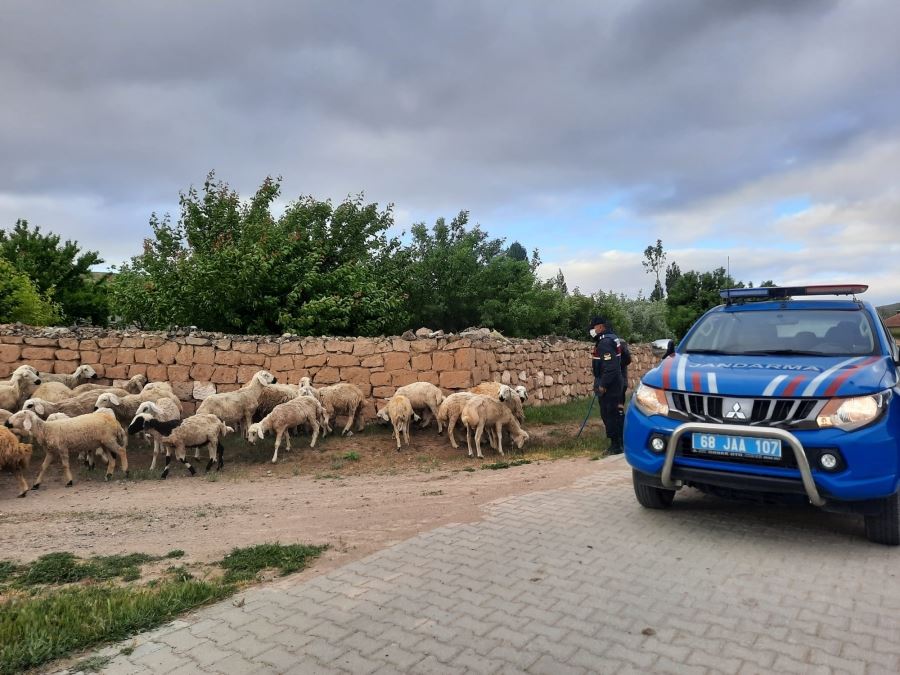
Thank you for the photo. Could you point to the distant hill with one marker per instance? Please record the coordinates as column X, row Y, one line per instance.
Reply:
column 889, row 310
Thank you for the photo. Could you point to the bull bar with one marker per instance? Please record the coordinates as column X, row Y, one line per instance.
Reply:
column 809, row 485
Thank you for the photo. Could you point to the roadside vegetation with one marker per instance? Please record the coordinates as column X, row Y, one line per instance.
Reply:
column 60, row 604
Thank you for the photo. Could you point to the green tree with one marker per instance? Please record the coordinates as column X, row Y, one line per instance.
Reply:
column 58, row 269
column 21, row 301
column 517, row 252
column 229, row 265
column 694, row 293
column 654, row 261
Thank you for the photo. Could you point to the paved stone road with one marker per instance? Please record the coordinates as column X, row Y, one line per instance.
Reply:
column 570, row 581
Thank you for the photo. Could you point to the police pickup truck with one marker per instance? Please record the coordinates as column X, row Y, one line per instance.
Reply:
column 776, row 397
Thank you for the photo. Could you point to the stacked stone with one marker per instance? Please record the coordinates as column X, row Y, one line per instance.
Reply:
column 199, row 364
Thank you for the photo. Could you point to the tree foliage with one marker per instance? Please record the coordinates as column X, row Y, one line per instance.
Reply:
column 21, row 301
column 232, row 266
column 59, row 271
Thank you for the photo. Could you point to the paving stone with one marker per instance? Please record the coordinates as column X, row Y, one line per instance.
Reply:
column 579, row 579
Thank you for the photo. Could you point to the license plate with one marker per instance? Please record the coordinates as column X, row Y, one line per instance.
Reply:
column 737, row 446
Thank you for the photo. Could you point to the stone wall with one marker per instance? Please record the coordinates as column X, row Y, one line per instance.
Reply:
column 197, row 364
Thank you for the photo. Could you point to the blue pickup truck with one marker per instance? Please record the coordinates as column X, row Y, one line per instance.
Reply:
column 777, row 397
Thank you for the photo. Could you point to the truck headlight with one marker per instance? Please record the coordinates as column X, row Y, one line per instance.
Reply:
column 852, row 413
column 650, row 400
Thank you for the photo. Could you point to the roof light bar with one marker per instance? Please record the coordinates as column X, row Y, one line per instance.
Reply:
column 792, row 291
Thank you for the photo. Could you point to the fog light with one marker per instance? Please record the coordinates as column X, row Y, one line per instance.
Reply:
column 658, row 444
column 828, row 461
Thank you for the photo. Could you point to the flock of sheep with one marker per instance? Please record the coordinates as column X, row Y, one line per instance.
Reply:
column 67, row 414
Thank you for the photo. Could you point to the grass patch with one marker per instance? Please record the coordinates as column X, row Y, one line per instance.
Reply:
column 352, row 456
column 37, row 629
column 505, row 465
column 59, row 603
column 573, row 411
column 65, row 568
column 243, row 564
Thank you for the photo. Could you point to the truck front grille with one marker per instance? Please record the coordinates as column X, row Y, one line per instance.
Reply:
column 770, row 412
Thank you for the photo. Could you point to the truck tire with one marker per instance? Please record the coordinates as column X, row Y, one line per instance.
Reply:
column 884, row 528
column 651, row 497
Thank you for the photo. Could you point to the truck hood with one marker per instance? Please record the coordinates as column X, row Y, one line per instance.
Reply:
column 779, row 376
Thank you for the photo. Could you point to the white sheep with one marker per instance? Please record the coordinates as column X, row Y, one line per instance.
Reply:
column 132, row 386
column 237, row 407
column 14, row 457
column 303, row 410
column 22, row 384
column 20, row 369
column 274, row 395
column 399, row 412
column 484, row 411
column 126, row 407
column 81, row 375
column 493, row 389
column 343, row 398
column 82, row 434
column 52, row 391
column 196, row 431
column 451, row 410
column 80, row 404
column 164, row 410
column 425, row 399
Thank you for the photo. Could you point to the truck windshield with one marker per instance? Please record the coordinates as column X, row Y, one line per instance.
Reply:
column 805, row 332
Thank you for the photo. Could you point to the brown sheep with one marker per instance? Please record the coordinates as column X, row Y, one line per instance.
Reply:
column 14, row 457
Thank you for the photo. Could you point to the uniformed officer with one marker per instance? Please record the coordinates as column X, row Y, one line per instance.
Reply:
column 608, row 382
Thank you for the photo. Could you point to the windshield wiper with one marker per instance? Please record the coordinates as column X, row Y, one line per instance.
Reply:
column 717, row 352
column 784, row 352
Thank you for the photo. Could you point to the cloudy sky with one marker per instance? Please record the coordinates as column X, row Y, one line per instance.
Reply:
column 766, row 131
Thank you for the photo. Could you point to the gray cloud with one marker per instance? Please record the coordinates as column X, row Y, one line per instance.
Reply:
column 436, row 105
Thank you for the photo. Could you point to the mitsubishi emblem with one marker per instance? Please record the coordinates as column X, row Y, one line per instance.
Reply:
column 736, row 413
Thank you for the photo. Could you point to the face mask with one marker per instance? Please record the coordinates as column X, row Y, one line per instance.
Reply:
column 592, row 333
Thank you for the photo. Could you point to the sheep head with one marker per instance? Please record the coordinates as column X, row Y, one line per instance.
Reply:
column 107, row 400
column 305, row 382
column 383, row 414
column 35, row 404
column 137, row 424
column 148, row 407
column 24, row 419
column 25, row 369
column 254, row 431
column 86, row 372
column 522, row 392
column 505, row 392
column 264, row 377
column 21, row 377
column 520, row 438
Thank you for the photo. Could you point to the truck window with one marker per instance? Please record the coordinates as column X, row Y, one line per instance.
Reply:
column 814, row 332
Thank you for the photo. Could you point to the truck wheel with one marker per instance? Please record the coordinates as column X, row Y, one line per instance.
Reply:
column 885, row 527
column 651, row 497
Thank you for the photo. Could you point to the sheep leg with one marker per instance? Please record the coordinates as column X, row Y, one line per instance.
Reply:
column 248, row 420
column 48, row 458
column 451, row 426
column 287, row 440
column 220, row 453
column 406, row 431
column 500, row 438
column 478, row 433
column 350, row 415
column 434, row 413
column 469, row 439
column 110, row 456
column 315, row 434
column 64, row 458
column 278, row 434
column 23, row 484
column 360, row 422
column 165, row 472
column 183, row 460
column 426, row 418
column 397, row 435
column 156, row 449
